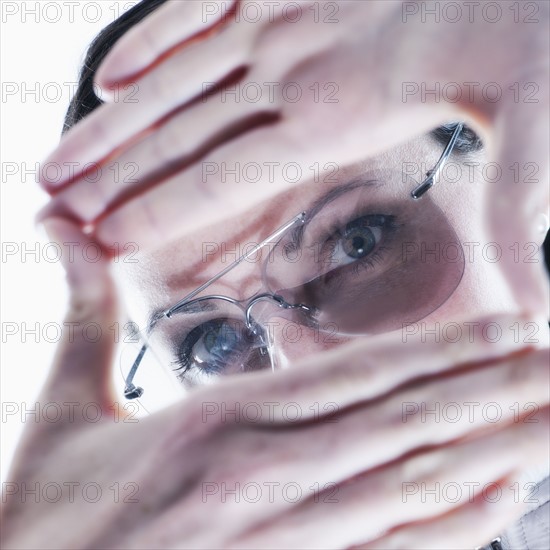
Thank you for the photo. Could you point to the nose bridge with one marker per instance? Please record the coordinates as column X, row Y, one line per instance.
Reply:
column 289, row 336
column 292, row 342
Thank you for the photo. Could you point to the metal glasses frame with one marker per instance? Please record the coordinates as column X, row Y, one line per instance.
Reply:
column 131, row 391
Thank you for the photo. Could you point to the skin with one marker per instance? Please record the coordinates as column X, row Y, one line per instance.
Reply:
column 160, row 278
column 183, row 200
column 370, row 451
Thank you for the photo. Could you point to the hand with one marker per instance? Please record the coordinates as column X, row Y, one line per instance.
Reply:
column 161, row 479
column 156, row 148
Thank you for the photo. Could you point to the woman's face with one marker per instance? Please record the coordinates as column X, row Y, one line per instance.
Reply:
column 391, row 224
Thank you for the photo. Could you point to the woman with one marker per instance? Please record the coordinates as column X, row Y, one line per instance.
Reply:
column 352, row 440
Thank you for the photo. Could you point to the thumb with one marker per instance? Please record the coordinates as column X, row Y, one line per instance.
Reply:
column 518, row 205
column 81, row 372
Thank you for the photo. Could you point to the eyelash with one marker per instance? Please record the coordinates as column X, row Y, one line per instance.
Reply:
column 378, row 256
column 179, row 363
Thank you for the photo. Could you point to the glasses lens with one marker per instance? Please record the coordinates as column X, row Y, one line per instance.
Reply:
column 370, row 259
column 200, row 342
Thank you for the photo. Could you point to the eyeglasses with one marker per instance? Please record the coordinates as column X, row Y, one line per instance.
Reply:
column 364, row 260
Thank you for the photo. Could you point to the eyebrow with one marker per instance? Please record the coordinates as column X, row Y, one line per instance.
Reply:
column 191, row 309
column 296, row 235
column 360, row 181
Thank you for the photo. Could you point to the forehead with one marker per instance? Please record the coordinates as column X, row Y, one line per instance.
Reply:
column 162, row 276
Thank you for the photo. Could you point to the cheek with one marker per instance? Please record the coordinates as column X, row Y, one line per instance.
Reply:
column 482, row 291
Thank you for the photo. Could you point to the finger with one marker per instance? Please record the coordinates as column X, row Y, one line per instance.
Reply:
column 204, row 194
column 175, row 24
column 399, row 493
column 367, row 368
column 356, row 444
column 518, row 206
column 514, row 126
column 113, row 126
column 468, row 526
column 187, row 136
column 281, row 156
column 82, row 365
column 219, row 186
column 273, row 459
column 449, row 409
column 511, row 390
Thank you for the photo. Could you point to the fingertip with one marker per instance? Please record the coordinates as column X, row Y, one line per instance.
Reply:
column 127, row 59
column 110, row 77
column 83, row 259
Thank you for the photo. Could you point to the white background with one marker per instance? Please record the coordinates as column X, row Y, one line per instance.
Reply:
column 42, row 46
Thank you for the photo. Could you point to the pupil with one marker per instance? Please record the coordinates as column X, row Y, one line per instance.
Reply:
column 359, row 243
column 220, row 339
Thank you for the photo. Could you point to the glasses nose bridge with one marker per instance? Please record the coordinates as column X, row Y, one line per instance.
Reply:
column 279, row 301
column 262, row 296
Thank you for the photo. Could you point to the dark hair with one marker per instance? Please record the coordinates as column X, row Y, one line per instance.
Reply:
column 85, row 100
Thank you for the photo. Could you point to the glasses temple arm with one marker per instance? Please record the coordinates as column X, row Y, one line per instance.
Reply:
column 281, row 230
column 130, row 390
column 434, row 174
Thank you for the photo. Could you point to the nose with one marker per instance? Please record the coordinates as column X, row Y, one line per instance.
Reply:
column 288, row 328
column 292, row 342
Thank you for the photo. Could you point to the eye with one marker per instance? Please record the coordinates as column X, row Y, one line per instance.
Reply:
column 220, row 347
column 357, row 240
